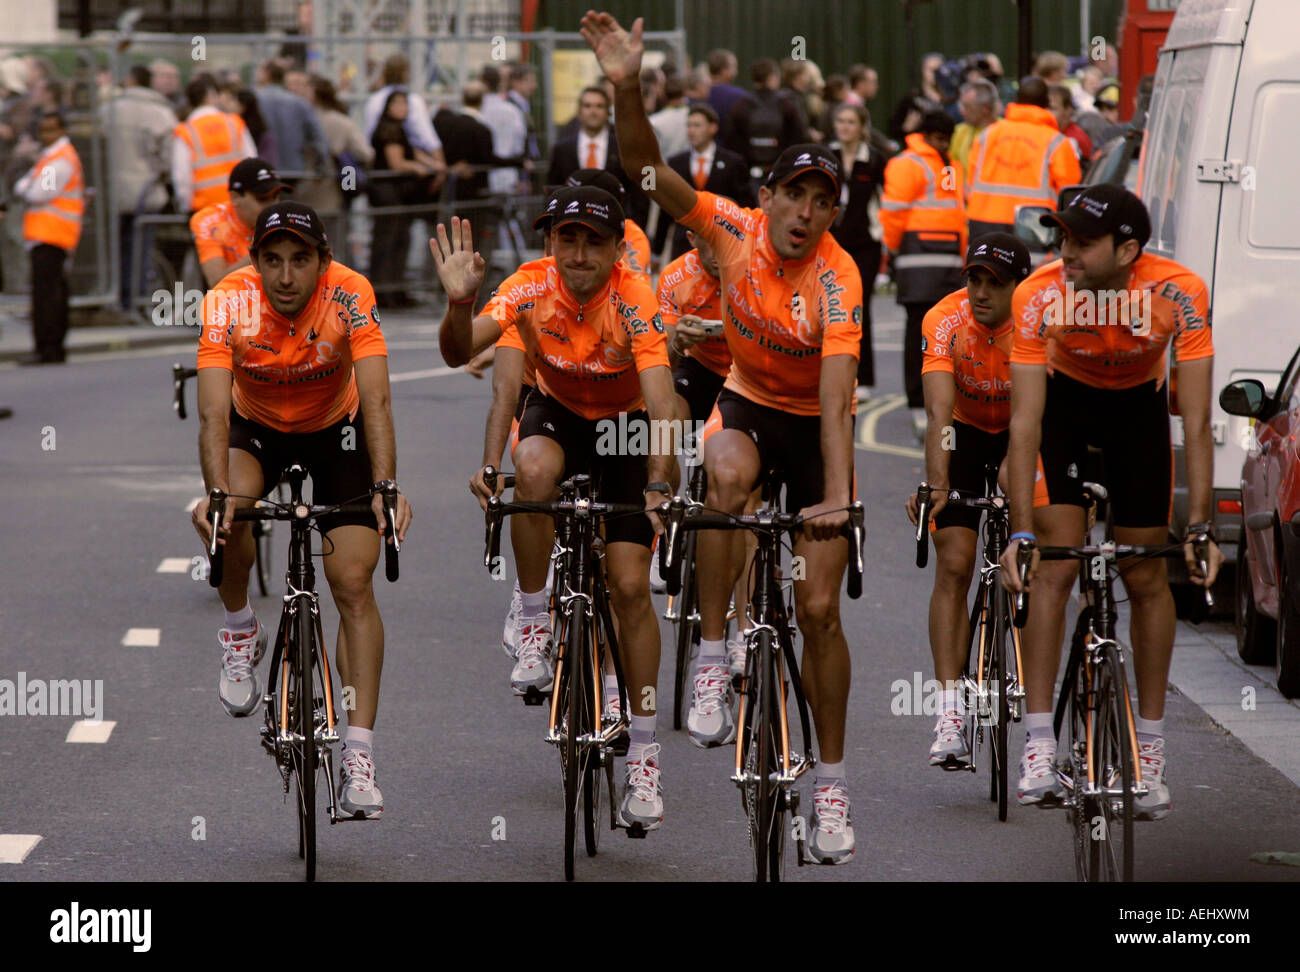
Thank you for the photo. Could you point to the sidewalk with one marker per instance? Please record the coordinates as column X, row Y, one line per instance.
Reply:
column 16, row 332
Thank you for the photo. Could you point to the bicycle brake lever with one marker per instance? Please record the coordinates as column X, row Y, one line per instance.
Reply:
column 217, row 500
column 922, row 525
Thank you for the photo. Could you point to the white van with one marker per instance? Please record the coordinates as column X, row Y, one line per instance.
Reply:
column 1220, row 175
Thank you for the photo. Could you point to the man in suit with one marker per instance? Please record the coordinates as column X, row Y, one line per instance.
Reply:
column 595, row 147
column 710, row 168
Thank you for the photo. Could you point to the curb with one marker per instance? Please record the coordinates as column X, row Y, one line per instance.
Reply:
column 149, row 337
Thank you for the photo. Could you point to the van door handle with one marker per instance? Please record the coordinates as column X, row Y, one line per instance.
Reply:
column 1259, row 521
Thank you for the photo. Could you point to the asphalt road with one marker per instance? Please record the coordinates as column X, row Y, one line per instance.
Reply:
column 88, row 522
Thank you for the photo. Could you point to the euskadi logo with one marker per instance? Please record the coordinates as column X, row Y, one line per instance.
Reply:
column 75, row 925
column 1096, row 308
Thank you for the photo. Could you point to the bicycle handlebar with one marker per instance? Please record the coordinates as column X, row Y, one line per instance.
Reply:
column 262, row 510
column 497, row 510
column 180, row 374
column 678, row 516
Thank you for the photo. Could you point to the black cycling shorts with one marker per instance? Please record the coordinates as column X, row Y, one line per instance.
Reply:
column 524, row 391
column 336, row 459
column 788, row 442
column 973, row 449
column 617, row 478
column 1131, row 428
column 698, row 385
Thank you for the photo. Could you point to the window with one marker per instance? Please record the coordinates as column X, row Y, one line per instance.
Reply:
column 1274, row 144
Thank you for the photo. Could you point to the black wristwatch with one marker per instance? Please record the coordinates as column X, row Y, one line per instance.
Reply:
column 383, row 484
column 1205, row 527
column 659, row 487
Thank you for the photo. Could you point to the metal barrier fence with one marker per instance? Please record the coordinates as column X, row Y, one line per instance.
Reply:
column 170, row 280
column 95, row 271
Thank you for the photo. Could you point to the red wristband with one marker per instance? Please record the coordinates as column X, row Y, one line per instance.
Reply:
column 469, row 300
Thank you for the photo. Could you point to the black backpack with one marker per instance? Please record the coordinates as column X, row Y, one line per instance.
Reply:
column 766, row 124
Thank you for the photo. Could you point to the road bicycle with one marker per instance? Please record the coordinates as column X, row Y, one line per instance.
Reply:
column 991, row 678
column 767, row 764
column 300, row 717
column 1097, row 748
column 587, row 730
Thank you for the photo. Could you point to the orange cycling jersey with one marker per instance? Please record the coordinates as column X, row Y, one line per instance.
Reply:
column 294, row 376
column 490, row 310
column 587, row 356
column 1111, row 339
column 218, row 232
column 685, row 287
column 976, row 357
column 636, row 253
column 776, row 341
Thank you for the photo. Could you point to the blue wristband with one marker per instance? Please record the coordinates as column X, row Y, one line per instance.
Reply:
column 1023, row 535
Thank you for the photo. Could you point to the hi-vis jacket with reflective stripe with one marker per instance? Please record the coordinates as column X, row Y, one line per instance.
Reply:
column 924, row 222
column 1022, row 160
column 216, row 143
column 57, row 221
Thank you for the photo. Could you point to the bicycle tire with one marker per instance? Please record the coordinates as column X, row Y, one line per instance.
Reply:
column 1111, row 855
column 776, row 827
column 687, row 631
column 303, row 724
column 591, row 764
column 572, row 706
column 766, row 790
column 1000, row 627
column 1075, row 713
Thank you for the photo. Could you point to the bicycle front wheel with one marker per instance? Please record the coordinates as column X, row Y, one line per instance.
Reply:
column 570, row 750
column 1110, row 855
column 303, row 723
column 999, row 631
column 765, row 810
column 688, row 631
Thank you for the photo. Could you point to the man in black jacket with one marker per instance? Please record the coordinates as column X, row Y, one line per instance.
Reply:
column 709, row 167
column 765, row 123
column 595, row 147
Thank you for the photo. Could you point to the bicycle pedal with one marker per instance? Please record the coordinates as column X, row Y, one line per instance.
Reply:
column 533, row 697
column 636, row 831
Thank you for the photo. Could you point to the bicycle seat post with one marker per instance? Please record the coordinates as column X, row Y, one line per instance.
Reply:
column 296, row 475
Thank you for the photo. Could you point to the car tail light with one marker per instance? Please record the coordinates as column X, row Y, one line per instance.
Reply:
column 1229, row 506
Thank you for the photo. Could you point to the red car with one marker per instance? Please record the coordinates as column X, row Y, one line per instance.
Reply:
column 1268, row 561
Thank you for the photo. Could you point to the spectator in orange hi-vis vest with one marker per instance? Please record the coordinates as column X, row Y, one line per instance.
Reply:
column 207, row 146
column 54, row 193
column 1022, row 160
column 223, row 232
column 924, row 230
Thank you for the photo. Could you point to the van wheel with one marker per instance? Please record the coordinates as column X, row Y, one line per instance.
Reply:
column 1287, row 662
column 1256, row 632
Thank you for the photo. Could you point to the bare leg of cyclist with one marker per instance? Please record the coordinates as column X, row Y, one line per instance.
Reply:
column 826, row 668
column 242, row 638
column 539, row 464
column 949, row 640
column 1056, row 525
column 731, row 460
column 349, row 569
column 1151, row 627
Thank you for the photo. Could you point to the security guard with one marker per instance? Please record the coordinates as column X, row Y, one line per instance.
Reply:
column 924, row 224
column 207, row 145
column 1022, row 160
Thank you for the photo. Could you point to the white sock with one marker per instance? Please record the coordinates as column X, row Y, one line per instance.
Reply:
column 534, row 605
column 361, row 739
column 611, row 687
column 241, row 620
column 830, row 772
column 1149, row 730
column 949, row 701
column 711, row 653
column 1038, row 725
column 640, row 735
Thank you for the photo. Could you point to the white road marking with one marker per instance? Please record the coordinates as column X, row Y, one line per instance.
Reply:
column 90, row 731
column 14, row 848
column 174, row 565
column 427, row 373
column 189, row 507
column 869, row 418
column 142, row 637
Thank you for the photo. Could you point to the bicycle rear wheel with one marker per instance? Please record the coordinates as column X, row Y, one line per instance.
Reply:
column 302, row 722
column 1110, row 856
column 688, row 631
